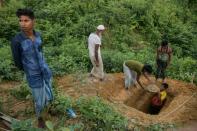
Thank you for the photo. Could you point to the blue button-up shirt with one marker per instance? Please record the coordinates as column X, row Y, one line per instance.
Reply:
column 32, row 59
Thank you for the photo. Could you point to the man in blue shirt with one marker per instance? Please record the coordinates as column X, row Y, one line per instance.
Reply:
column 26, row 48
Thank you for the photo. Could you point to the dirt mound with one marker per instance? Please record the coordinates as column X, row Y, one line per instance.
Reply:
column 180, row 106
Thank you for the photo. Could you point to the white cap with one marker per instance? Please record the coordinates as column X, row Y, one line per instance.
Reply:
column 100, row 27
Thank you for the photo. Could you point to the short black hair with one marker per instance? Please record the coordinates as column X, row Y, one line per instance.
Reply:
column 147, row 68
column 164, row 43
column 26, row 12
column 165, row 85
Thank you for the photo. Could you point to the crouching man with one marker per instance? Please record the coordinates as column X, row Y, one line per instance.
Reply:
column 133, row 71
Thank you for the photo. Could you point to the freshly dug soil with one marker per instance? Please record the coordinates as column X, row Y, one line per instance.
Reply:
column 180, row 107
column 181, row 104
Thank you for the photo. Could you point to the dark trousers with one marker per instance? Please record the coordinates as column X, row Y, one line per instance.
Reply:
column 154, row 110
column 161, row 67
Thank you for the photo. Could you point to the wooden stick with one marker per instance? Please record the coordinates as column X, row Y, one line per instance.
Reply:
column 3, row 129
column 6, row 117
column 7, row 123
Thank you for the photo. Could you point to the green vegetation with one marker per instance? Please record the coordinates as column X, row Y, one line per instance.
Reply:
column 26, row 125
column 135, row 29
column 22, row 92
column 100, row 115
column 92, row 114
column 60, row 104
column 160, row 127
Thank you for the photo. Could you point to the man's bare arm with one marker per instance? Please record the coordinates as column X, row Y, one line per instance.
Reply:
column 138, row 80
column 146, row 76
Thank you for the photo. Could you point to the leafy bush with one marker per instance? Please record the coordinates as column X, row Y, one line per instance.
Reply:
column 22, row 92
column 113, row 60
column 51, row 127
column 160, row 127
column 134, row 29
column 182, row 68
column 7, row 69
column 100, row 115
column 60, row 104
column 24, row 125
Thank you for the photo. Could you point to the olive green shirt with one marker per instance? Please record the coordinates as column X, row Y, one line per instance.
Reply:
column 135, row 66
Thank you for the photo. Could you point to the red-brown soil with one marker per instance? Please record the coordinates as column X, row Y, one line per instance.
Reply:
column 180, row 107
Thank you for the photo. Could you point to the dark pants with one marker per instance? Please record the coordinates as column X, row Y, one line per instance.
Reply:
column 161, row 67
column 155, row 109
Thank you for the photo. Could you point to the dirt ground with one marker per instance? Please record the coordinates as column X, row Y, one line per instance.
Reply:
column 180, row 107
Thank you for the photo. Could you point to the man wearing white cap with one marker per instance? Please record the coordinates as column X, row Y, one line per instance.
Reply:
column 94, row 44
